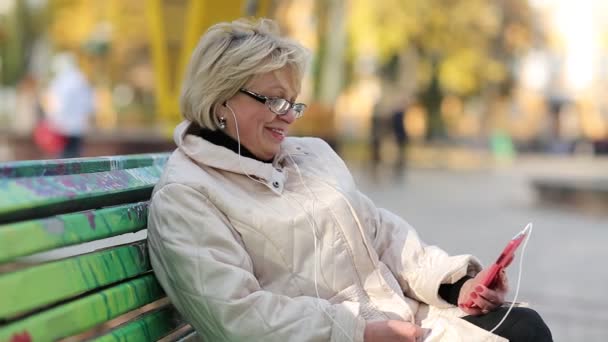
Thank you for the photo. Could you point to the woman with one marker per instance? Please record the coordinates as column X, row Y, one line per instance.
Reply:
column 259, row 237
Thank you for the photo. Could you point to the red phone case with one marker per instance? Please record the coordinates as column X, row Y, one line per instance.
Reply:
column 507, row 254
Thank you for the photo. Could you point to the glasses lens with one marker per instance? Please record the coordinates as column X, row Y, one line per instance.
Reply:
column 279, row 106
column 298, row 109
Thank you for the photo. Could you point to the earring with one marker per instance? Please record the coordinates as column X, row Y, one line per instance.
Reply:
column 222, row 122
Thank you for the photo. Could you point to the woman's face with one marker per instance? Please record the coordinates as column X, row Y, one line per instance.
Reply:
column 260, row 130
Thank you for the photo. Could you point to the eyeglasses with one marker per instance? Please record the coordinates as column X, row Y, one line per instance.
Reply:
column 277, row 105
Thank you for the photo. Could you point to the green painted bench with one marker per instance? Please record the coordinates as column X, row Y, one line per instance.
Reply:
column 73, row 256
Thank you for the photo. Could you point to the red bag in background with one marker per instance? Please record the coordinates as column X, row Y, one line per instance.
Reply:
column 47, row 139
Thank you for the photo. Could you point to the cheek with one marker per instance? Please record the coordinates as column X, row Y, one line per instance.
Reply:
column 260, row 120
column 252, row 124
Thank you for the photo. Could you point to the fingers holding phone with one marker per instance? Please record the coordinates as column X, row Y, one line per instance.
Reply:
column 502, row 282
column 487, row 290
column 475, row 298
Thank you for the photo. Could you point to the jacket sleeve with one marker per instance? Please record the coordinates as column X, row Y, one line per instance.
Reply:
column 420, row 269
column 206, row 272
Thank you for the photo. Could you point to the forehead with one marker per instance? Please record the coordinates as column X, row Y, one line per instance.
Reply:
column 279, row 80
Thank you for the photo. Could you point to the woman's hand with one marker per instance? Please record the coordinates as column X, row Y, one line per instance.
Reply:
column 391, row 330
column 484, row 299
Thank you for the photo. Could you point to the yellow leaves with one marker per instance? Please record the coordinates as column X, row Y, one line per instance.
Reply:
column 389, row 26
column 72, row 21
column 463, row 71
column 381, row 27
column 494, row 71
column 457, row 72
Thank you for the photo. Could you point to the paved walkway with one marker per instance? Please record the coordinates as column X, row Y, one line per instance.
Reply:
column 478, row 210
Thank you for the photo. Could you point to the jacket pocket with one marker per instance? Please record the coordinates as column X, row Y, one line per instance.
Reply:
column 355, row 293
column 350, row 294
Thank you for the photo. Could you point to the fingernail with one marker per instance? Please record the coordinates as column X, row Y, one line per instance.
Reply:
column 478, row 288
column 473, row 295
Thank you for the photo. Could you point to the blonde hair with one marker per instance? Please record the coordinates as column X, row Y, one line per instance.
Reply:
column 227, row 56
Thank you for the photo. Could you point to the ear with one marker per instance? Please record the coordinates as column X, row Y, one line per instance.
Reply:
column 219, row 110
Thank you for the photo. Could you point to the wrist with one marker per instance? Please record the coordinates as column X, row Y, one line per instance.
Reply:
column 465, row 289
column 451, row 292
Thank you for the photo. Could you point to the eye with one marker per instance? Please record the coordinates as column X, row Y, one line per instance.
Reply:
column 279, row 105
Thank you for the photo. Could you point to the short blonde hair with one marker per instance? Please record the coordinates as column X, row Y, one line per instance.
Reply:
column 227, row 56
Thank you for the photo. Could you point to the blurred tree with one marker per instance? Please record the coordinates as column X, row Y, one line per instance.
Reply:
column 462, row 46
column 321, row 26
column 19, row 29
column 145, row 44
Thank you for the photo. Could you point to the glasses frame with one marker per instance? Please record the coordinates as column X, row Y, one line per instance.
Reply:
column 266, row 100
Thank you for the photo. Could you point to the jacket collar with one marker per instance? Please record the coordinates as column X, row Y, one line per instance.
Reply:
column 206, row 153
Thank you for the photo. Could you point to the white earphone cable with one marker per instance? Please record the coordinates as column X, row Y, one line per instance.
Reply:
column 238, row 140
column 313, row 225
column 521, row 261
column 361, row 231
column 309, row 218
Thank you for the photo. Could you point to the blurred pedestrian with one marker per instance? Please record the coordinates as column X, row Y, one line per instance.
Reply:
column 388, row 119
column 69, row 104
column 400, row 134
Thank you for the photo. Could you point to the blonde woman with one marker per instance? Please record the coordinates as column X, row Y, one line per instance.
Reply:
column 257, row 236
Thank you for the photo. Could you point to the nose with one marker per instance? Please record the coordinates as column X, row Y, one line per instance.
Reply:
column 288, row 117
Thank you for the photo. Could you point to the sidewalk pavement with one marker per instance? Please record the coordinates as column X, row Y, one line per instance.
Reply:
column 579, row 182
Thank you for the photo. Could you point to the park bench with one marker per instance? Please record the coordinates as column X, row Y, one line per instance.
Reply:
column 589, row 194
column 74, row 261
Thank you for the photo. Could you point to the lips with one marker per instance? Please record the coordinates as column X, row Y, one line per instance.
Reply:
column 277, row 133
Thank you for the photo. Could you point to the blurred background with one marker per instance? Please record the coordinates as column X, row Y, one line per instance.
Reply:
column 469, row 118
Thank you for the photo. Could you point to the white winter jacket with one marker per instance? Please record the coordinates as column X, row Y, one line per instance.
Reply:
column 291, row 251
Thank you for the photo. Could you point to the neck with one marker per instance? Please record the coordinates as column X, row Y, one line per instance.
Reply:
column 220, row 138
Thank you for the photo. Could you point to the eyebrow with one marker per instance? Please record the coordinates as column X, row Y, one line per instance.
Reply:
column 283, row 92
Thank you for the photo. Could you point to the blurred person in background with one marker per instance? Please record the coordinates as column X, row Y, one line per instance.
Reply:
column 69, row 104
column 257, row 236
column 401, row 138
column 388, row 119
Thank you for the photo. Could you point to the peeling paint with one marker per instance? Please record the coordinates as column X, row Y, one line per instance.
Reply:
column 21, row 337
column 90, row 215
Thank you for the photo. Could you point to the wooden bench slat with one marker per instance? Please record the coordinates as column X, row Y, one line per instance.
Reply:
column 190, row 336
column 46, row 205
column 82, row 314
column 29, row 198
column 70, row 229
column 22, row 291
column 56, row 167
column 148, row 327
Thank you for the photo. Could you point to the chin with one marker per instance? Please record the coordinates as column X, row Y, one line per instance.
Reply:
column 271, row 153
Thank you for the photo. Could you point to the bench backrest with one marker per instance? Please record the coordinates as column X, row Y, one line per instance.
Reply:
column 50, row 291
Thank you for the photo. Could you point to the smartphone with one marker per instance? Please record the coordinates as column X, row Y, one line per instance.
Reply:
column 501, row 263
